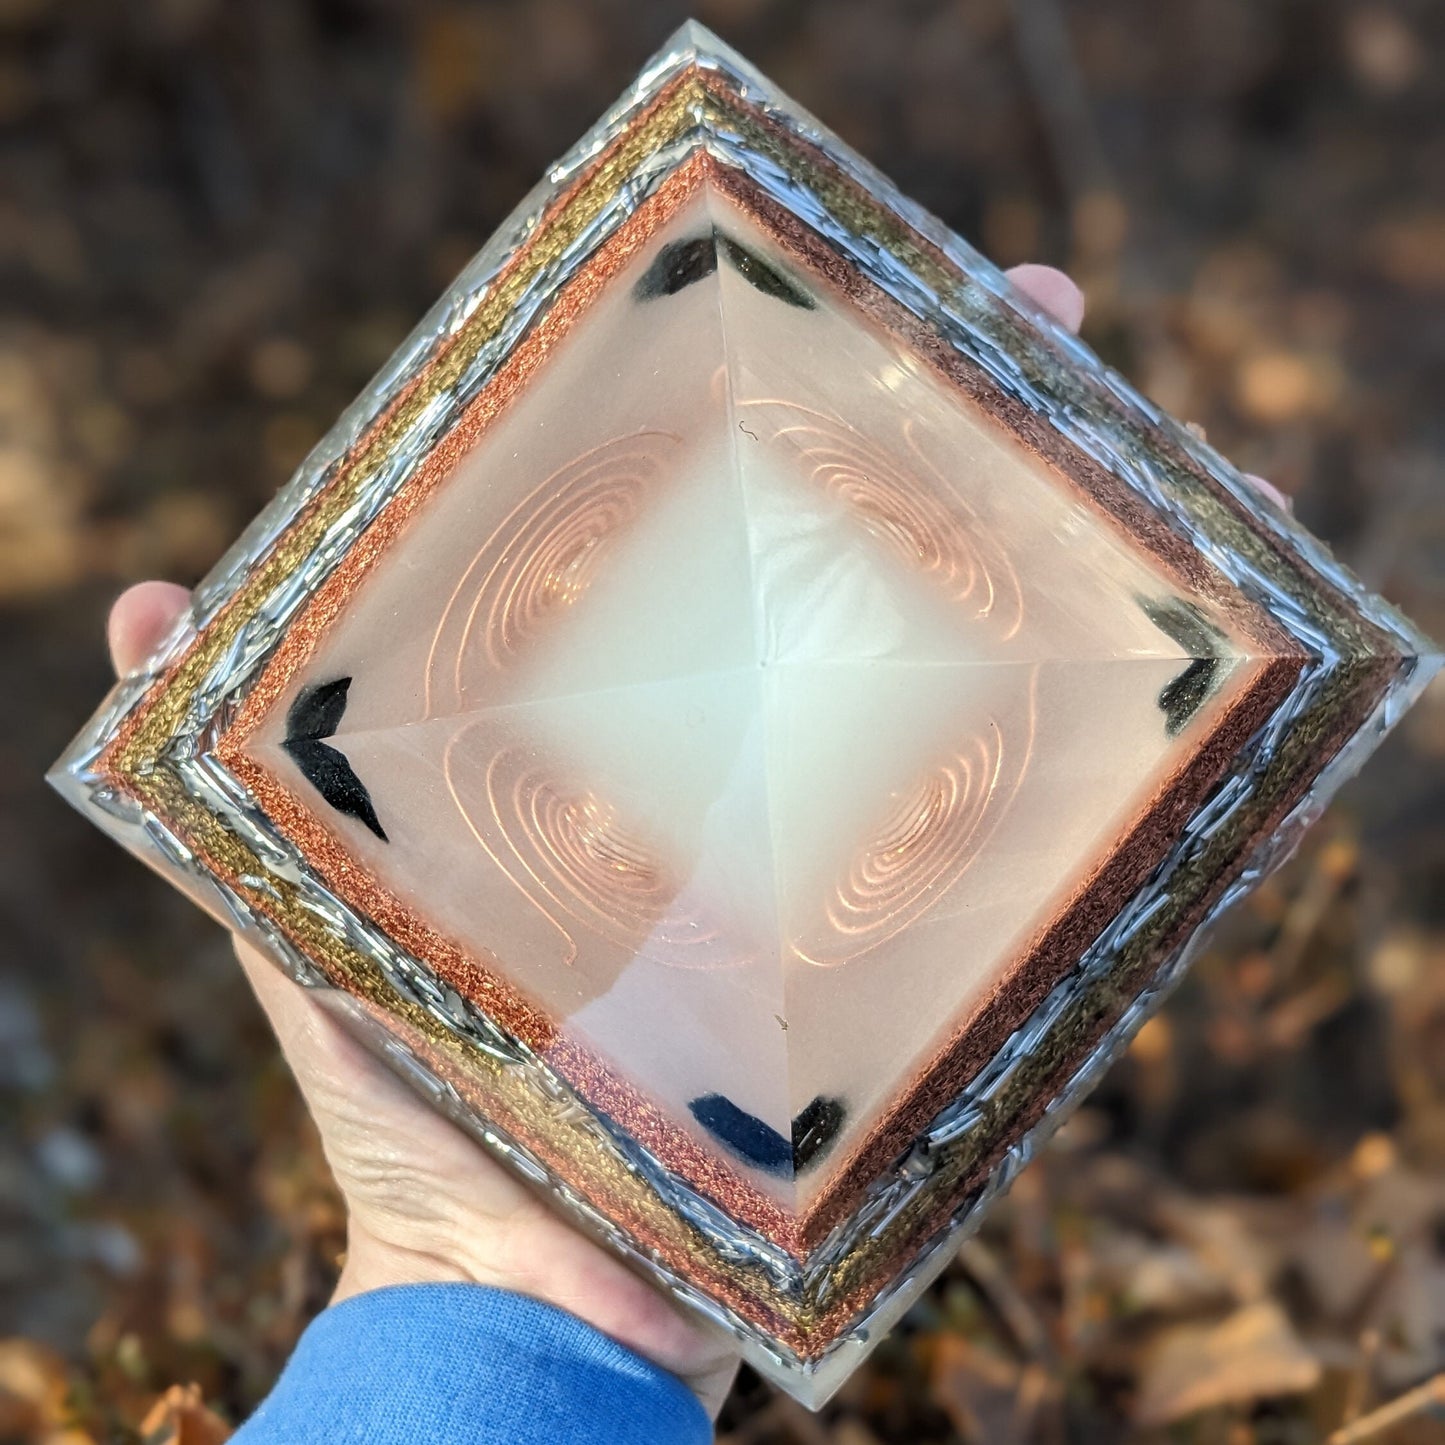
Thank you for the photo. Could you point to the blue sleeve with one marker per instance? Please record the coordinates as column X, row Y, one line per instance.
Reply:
column 470, row 1366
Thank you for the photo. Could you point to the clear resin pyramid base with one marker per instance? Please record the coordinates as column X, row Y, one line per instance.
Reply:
column 747, row 714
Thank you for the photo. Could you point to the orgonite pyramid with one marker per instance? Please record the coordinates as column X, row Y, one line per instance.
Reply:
column 747, row 713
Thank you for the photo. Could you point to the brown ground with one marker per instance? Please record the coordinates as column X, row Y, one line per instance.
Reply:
column 220, row 218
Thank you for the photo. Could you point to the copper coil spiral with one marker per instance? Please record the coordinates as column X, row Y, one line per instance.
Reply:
column 904, row 502
column 541, row 559
column 569, row 853
column 920, row 850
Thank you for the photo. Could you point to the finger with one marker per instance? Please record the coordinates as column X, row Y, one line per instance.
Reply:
column 337, row 1075
column 1053, row 291
column 1057, row 294
column 315, row 1044
column 363, row 1108
column 299, row 1029
column 140, row 620
column 1281, row 499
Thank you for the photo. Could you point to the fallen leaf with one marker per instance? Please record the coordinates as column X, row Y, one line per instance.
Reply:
column 976, row 1387
column 180, row 1417
column 1383, row 51
column 990, row 1399
column 1277, row 386
column 1410, row 250
column 32, row 1389
column 1252, row 1355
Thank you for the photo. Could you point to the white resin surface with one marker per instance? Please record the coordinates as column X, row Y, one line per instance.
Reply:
column 750, row 698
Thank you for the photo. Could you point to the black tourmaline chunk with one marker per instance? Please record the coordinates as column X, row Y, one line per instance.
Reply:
column 314, row 716
column 317, row 711
column 760, row 1144
column 745, row 1134
column 677, row 266
column 680, row 263
column 814, row 1130
column 763, row 275
column 1184, row 695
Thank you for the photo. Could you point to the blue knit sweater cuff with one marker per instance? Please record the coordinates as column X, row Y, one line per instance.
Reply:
column 470, row 1366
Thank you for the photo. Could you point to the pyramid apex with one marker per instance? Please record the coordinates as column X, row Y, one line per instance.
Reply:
column 692, row 43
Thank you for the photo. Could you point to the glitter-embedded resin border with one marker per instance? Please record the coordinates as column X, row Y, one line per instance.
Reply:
column 146, row 770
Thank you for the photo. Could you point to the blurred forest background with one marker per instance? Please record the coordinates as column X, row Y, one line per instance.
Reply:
column 218, row 219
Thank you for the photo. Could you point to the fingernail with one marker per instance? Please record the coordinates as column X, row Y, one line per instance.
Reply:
column 1281, row 499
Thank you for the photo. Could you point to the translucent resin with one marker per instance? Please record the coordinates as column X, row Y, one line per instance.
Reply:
column 747, row 714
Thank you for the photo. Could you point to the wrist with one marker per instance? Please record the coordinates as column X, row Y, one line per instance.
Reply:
column 372, row 1262
column 561, row 1269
